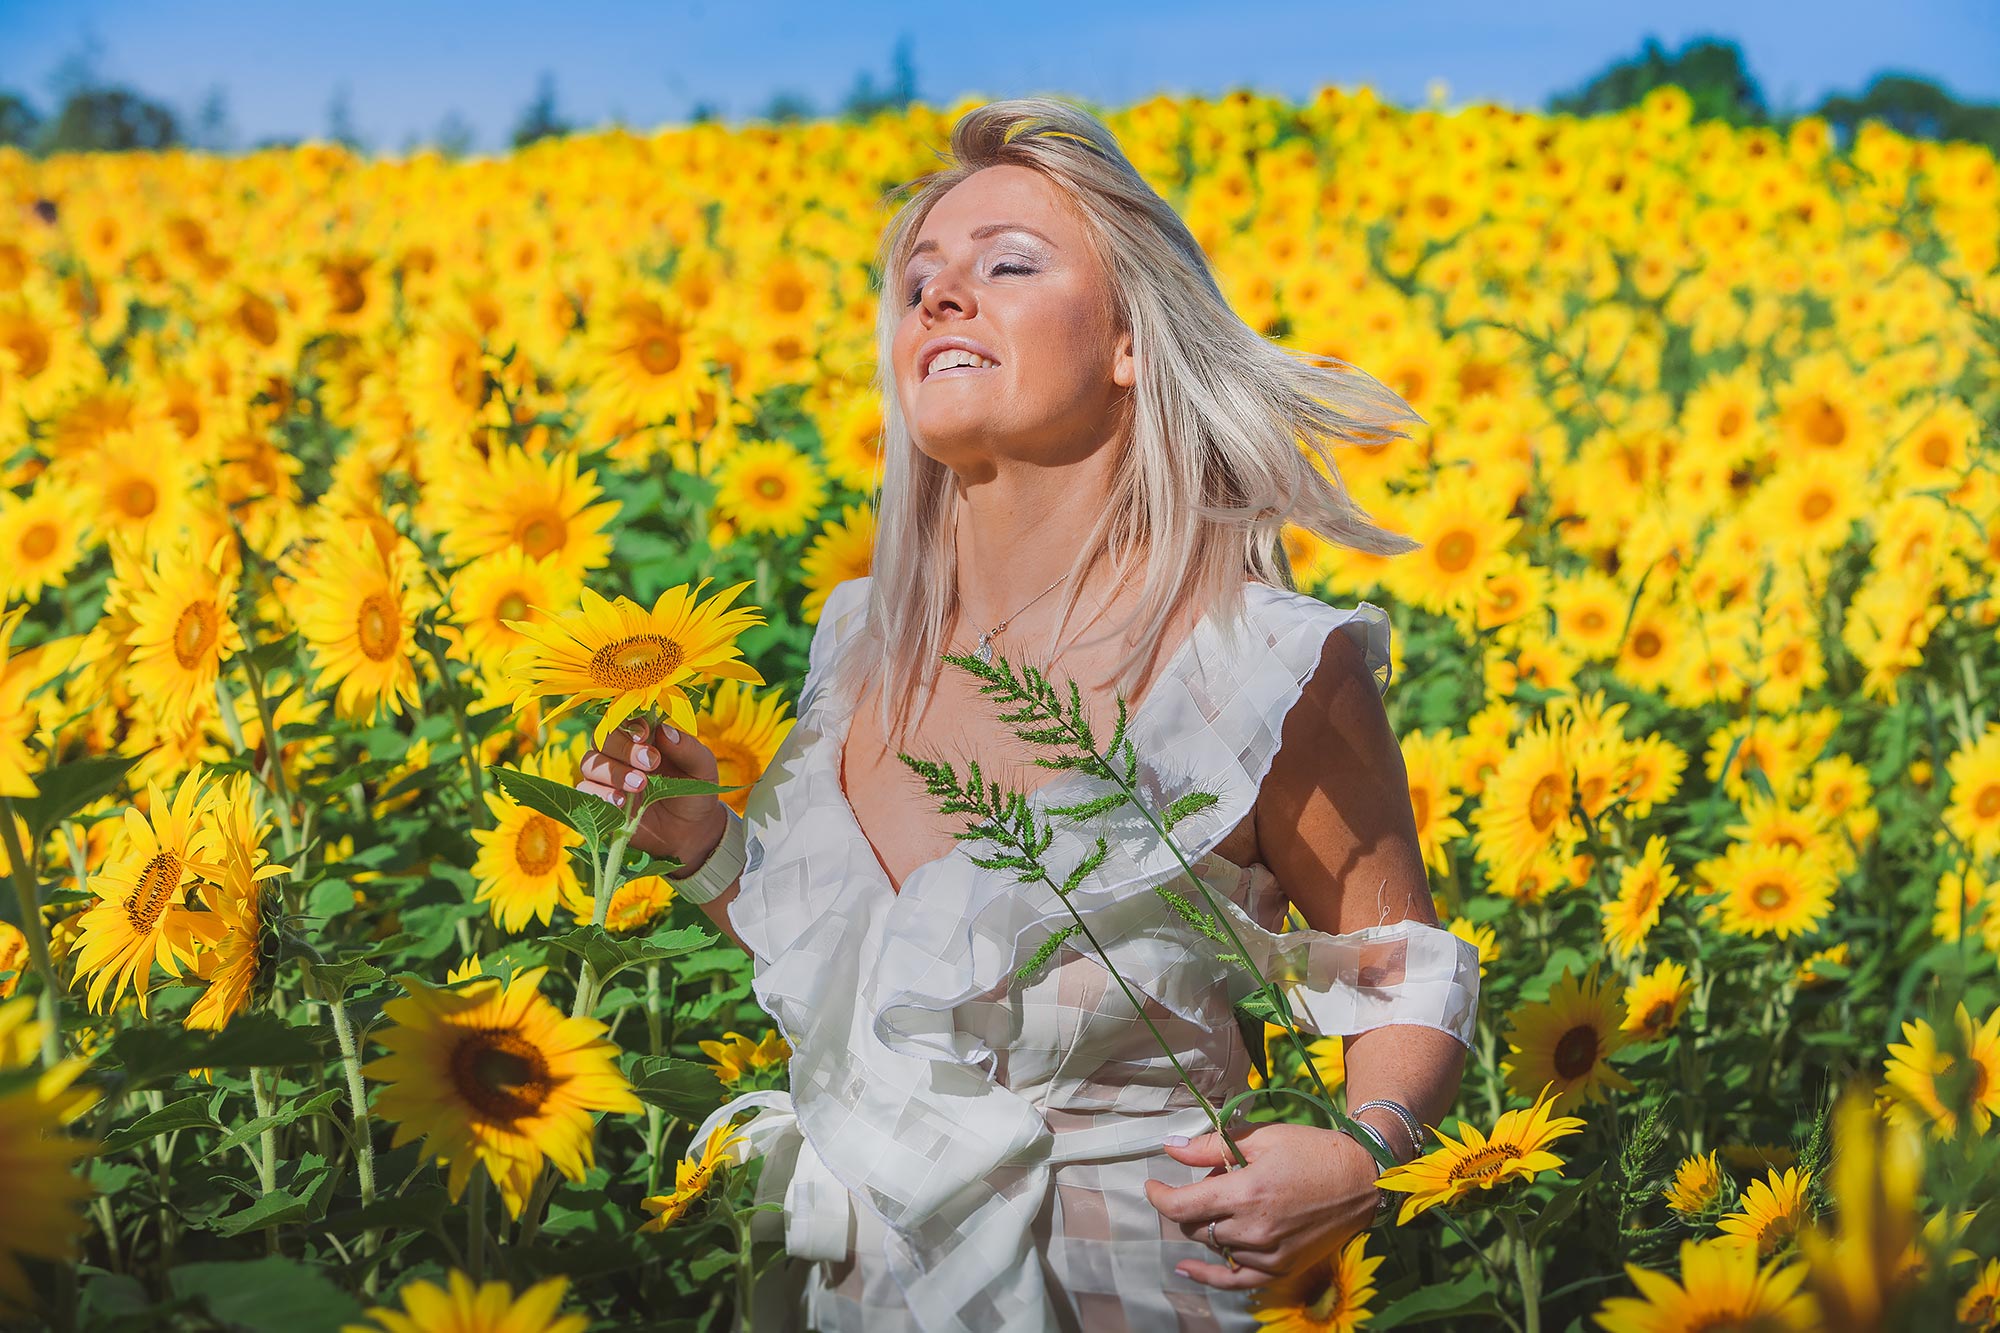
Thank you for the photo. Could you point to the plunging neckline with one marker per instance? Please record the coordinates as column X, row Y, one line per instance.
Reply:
column 837, row 737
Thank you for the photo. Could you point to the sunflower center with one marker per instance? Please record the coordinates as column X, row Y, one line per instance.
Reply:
column 378, row 627
column 1646, row 644
column 1935, row 450
column 1481, row 1165
column 468, row 380
column 154, row 890
column 1816, row 507
column 1420, row 801
column 770, row 488
column 258, row 319
column 514, row 606
column 1769, row 896
column 1825, row 426
column 1658, row 1017
column 660, row 353
column 39, row 541
column 541, row 532
column 137, row 498
column 1988, row 803
column 1576, row 1052
column 501, row 1075
column 1455, row 551
column 1730, row 422
column 1545, row 801
column 538, row 846
column 195, row 632
column 635, row 662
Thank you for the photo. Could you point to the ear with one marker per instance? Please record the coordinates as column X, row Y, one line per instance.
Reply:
column 1124, row 366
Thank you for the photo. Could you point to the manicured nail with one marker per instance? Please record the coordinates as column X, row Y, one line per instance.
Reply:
column 1175, row 1141
column 1181, row 1271
column 673, row 737
column 634, row 780
column 643, row 756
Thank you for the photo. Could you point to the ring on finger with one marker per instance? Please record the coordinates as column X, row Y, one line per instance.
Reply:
column 1227, row 1257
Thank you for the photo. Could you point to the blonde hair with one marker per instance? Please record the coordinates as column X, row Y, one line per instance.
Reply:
column 1213, row 467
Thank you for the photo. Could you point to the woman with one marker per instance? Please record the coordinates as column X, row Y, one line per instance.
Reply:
column 1071, row 404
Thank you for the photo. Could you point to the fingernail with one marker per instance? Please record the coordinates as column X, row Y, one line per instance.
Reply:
column 643, row 756
column 1180, row 1271
column 673, row 737
column 634, row 780
column 1175, row 1141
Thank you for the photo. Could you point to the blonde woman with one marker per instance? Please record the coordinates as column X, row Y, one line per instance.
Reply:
column 1089, row 458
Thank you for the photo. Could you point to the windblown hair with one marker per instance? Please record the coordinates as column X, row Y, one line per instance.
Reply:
column 1213, row 465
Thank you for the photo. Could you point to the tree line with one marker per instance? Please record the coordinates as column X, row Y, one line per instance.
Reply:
column 93, row 115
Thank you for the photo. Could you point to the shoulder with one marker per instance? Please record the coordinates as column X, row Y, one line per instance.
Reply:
column 1321, row 645
column 1339, row 658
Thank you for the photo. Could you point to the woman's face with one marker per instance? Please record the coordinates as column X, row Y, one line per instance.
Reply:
column 1002, row 266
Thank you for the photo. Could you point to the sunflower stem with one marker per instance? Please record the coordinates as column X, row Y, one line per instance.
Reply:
column 35, row 929
column 1525, row 1270
column 607, row 883
column 267, row 1160
column 475, row 1225
column 357, row 1096
column 463, row 725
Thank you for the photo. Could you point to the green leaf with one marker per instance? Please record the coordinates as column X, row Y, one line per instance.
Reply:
column 679, row 1087
column 67, row 788
column 592, row 816
column 1468, row 1295
column 1252, row 1028
column 342, row 975
column 268, row 1295
column 151, row 1054
column 273, row 1209
column 330, row 898
column 1560, row 1206
column 609, row 955
column 422, row 1206
column 188, row 1113
column 284, row 1115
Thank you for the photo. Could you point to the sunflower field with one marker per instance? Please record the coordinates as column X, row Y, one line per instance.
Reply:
column 323, row 1008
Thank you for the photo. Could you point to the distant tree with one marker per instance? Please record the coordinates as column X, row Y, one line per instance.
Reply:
column 539, row 119
column 865, row 100
column 340, row 119
column 704, row 112
column 788, row 106
column 111, row 119
column 1914, row 106
column 1710, row 70
column 212, row 128
column 454, row 135
column 20, row 123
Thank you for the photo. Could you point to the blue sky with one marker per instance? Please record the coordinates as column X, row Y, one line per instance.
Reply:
column 406, row 66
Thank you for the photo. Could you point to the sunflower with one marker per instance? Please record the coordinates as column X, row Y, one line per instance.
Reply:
column 1330, row 1296
column 507, row 585
column 539, row 505
column 1654, row 1004
column 1643, row 886
column 844, row 549
column 183, row 608
column 1590, row 612
column 769, row 486
column 1428, row 761
column 1768, row 890
column 496, row 1074
column 1769, row 1212
column 1815, row 968
column 444, row 374
column 41, row 539
column 1568, row 1042
column 1922, row 1087
column 634, row 658
column 645, row 355
column 852, row 443
column 1721, row 1286
column 1974, row 812
column 691, row 1178
column 355, row 609
column 234, row 967
column 524, row 869
column 743, row 731
column 1525, row 808
column 736, row 1056
column 490, row 1307
column 141, row 916
column 1463, row 525
column 143, row 485
column 17, row 716
column 637, row 903
column 1518, row 1149
column 13, row 957
column 1698, row 1186
column 1979, row 1308
column 40, row 1210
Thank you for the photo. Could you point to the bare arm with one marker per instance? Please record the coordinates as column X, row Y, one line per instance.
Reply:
column 1335, row 825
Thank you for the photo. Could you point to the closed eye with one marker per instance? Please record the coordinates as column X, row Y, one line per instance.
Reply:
column 917, row 292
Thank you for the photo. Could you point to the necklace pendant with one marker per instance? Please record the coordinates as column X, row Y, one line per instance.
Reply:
column 984, row 652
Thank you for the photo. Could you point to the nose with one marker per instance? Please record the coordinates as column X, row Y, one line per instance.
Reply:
column 946, row 290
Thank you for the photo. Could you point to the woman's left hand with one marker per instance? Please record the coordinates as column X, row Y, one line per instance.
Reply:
column 1304, row 1192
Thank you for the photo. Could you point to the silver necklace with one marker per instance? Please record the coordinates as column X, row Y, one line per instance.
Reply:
column 984, row 652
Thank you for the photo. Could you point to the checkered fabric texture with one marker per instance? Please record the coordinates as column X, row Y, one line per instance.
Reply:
column 962, row 1152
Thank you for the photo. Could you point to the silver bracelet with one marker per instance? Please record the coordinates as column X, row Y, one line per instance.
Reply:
column 712, row 878
column 1410, row 1123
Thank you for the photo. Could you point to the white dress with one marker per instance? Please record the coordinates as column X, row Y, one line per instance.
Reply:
column 962, row 1152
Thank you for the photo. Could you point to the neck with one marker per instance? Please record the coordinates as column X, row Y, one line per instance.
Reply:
column 1018, row 531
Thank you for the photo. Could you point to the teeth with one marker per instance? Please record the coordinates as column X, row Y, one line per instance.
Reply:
column 956, row 356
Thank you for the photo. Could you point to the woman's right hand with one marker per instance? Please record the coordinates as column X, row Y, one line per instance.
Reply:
column 686, row 828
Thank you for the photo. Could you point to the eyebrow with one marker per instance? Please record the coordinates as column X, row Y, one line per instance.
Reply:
column 981, row 233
